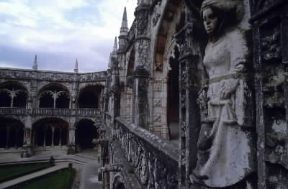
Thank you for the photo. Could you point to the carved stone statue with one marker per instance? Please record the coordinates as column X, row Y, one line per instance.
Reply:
column 225, row 148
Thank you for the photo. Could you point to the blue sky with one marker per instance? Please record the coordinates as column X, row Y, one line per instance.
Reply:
column 59, row 31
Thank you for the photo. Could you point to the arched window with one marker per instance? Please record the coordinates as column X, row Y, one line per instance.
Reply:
column 89, row 97
column 54, row 96
column 13, row 94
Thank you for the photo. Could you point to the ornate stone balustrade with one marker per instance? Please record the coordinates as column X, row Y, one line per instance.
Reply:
column 155, row 161
column 51, row 75
column 83, row 112
column 14, row 111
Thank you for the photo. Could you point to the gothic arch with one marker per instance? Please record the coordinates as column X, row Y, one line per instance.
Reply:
column 11, row 133
column 118, row 182
column 165, row 41
column 13, row 94
column 90, row 96
column 86, row 132
column 50, row 131
column 131, row 63
column 166, row 70
column 54, row 95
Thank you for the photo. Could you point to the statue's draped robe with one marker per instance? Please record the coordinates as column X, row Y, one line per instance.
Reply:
column 225, row 149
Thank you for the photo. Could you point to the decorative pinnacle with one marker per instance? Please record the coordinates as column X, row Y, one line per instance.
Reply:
column 115, row 45
column 124, row 25
column 76, row 66
column 35, row 64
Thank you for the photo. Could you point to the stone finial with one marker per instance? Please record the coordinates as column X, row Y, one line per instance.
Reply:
column 35, row 64
column 113, row 54
column 124, row 25
column 115, row 45
column 76, row 66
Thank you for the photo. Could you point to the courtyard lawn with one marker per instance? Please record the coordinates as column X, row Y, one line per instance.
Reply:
column 8, row 172
column 61, row 179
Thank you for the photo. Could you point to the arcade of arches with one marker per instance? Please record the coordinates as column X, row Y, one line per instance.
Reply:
column 50, row 132
column 47, row 131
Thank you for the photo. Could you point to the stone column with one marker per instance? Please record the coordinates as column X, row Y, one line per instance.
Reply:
column 33, row 98
column 33, row 139
column 28, row 147
column 55, row 96
column 12, row 96
column 52, row 136
column 60, row 137
column 16, row 137
column 142, row 41
column 142, row 65
column 7, row 135
column 44, row 138
column 115, row 88
column 75, row 91
column 71, row 140
column 189, row 84
column 141, row 77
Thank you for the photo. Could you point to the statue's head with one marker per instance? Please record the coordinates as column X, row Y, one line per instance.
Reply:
column 211, row 20
column 220, row 14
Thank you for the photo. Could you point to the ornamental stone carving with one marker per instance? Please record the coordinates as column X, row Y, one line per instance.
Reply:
column 225, row 149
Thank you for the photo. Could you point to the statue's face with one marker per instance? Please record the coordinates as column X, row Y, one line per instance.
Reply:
column 210, row 21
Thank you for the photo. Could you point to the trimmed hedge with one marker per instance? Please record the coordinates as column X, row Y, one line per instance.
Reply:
column 9, row 172
column 61, row 179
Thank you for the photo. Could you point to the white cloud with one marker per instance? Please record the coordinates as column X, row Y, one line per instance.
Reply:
column 53, row 27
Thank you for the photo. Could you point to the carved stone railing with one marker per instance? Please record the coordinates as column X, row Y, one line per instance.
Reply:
column 14, row 111
column 95, row 76
column 155, row 161
column 9, row 73
column 83, row 112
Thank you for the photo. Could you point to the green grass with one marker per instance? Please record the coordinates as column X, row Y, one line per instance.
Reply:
column 61, row 179
column 8, row 172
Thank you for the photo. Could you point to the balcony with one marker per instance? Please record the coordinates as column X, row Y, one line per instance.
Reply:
column 154, row 161
column 83, row 112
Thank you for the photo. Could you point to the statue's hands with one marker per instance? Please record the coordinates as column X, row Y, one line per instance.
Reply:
column 202, row 94
column 202, row 97
column 228, row 89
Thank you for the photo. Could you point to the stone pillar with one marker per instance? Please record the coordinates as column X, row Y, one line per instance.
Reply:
column 142, row 65
column 189, row 83
column 28, row 147
column 142, row 41
column 7, row 135
column 33, row 139
column 55, row 96
column 52, row 136
column 16, row 137
column 115, row 88
column 44, row 138
column 74, row 92
column 60, row 137
column 12, row 96
column 33, row 98
column 141, row 77
column 27, row 136
column 106, row 180
column 71, row 140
